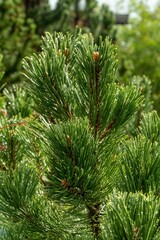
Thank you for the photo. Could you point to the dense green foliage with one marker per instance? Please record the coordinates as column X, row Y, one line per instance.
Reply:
column 69, row 170
column 79, row 151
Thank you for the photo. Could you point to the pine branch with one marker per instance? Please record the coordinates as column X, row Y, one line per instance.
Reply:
column 83, row 109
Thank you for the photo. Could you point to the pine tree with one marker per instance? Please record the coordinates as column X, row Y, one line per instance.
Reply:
column 69, row 171
column 89, row 16
column 18, row 38
column 138, row 46
column 40, row 11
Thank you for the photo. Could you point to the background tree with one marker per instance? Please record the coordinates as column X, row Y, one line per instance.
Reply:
column 91, row 17
column 18, row 38
column 69, row 14
column 139, row 48
column 41, row 12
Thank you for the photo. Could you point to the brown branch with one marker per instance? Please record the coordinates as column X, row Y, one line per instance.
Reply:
column 107, row 130
column 94, row 217
column 12, row 152
column 13, row 125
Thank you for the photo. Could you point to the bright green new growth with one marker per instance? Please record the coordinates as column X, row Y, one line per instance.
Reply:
column 76, row 157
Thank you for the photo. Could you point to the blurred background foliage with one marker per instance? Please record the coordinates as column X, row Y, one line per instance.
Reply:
column 18, row 39
column 68, row 14
column 138, row 44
